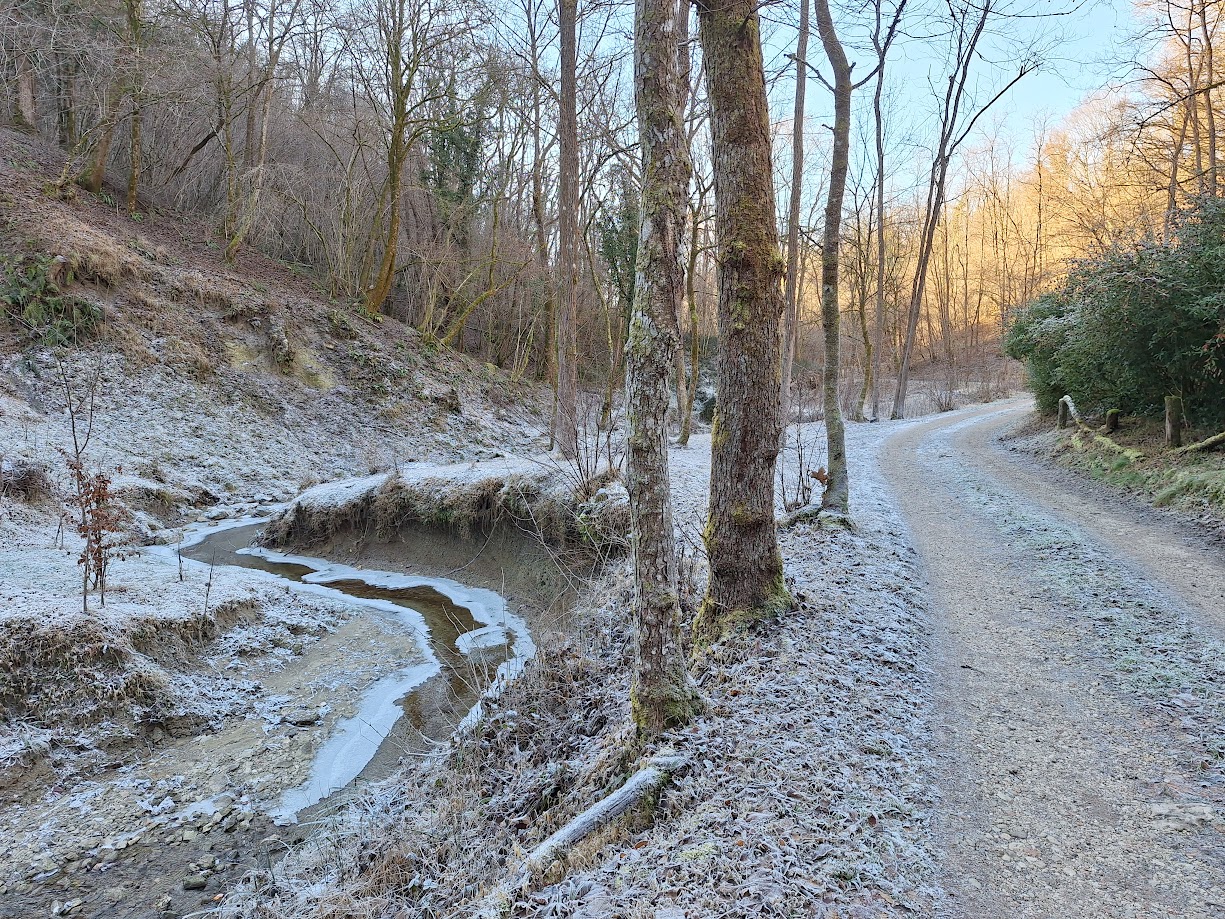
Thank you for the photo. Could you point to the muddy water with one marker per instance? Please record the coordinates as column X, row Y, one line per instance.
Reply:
column 468, row 645
column 391, row 681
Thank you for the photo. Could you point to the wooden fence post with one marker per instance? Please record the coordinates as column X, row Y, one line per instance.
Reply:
column 1173, row 421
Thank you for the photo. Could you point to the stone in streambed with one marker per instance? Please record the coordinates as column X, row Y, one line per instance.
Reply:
column 195, row 882
column 301, row 717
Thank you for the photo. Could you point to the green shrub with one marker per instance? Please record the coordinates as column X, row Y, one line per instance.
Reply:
column 32, row 298
column 1134, row 324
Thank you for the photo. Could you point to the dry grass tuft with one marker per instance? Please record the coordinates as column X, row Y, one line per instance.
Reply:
column 75, row 673
column 83, row 672
column 539, row 504
column 25, row 481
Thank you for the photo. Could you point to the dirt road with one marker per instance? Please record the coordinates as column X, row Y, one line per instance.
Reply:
column 1080, row 684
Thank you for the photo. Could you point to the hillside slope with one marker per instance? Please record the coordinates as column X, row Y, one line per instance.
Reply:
column 238, row 380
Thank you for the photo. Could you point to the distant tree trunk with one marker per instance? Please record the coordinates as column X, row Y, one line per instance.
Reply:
column 878, row 331
column 684, row 398
column 25, row 110
column 377, row 295
column 66, row 101
column 539, row 217
column 691, row 300
column 94, row 173
column 134, row 13
column 1206, row 31
column 565, row 411
column 869, row 352
column 791, row 316
column 1171, row 206
column 746, row 567
column 837, row 489
column 662, row 697
column 134, row 156
column 969, row 23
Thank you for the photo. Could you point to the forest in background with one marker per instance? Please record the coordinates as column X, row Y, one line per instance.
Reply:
column 406, row 154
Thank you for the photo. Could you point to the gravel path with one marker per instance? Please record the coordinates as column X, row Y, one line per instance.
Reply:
column 1079, row 714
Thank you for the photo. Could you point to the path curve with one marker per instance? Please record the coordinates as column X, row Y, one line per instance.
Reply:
column 1079, row 722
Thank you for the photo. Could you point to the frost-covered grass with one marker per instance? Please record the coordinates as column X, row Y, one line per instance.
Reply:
column 137, row 668
column 804, row 796
column 535, row 495
column 1136, row 460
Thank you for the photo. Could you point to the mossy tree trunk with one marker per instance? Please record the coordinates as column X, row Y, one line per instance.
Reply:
column 662, row 697
column 837, row 489
column 746, row 568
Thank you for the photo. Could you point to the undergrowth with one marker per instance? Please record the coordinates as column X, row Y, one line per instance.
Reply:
column 31, row 290
column 1137, row 462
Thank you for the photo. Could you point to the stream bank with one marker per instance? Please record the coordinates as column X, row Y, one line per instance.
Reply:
column 166, row 831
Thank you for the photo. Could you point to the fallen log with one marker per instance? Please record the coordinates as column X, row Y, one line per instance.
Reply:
column 650, row 778
column 1209, row 443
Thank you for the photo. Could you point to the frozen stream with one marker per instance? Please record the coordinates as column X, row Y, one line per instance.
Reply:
column 463, row 632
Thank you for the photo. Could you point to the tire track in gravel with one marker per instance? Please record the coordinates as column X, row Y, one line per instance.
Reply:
column 1080, row 687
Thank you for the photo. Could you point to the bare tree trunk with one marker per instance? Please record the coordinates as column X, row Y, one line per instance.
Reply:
column 565, row 410
column 377, row 295
column 1171, row 205
column 791, row 296
column 538, row 205
column 1209, row 114
column 746, row 567
column 837, row 488
column 691, row 300
column 134, row 156
column 684, row 398
column 66, row 101
column 878, row 332
column 93, row 175
column 26, row 108
column 661, row 696
column 967, row 33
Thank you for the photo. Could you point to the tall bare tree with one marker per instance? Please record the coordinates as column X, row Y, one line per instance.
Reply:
column 565, row 408
column 662, row 696
column 746, row 567
column 837, row 487
column 968, row 23
column 791, row 316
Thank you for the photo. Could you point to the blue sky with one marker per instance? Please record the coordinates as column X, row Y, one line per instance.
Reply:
column 1082, row 52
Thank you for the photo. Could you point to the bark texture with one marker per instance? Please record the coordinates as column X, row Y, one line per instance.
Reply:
column 565, row 412
column 746, row 568
column 661, row 696
column 837, row 488
column 25, row 108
